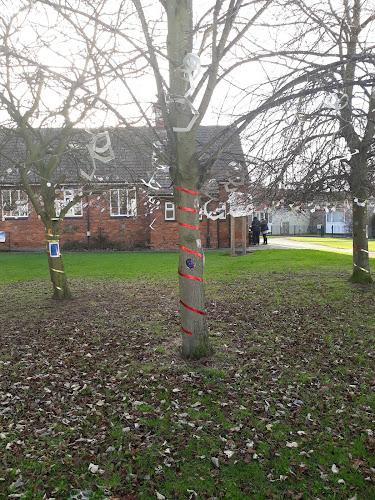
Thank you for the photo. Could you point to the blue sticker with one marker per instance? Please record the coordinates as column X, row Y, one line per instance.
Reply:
column 190, row 263
column 54, row 249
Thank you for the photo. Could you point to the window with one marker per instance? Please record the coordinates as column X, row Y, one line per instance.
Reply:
column 14, row 203
column 75, row 210
column 336, row 217
column 123, row 202
column 169, row 210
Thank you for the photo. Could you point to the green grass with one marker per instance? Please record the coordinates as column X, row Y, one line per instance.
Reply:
column 343, row 243
column 162, row 266
column 293, row 363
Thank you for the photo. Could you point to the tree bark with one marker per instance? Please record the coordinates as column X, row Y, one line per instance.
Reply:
column 195, row 339
column 244, row 236
column 361, row 262
column 358, row 162
column 232, row 236
column 61, row 290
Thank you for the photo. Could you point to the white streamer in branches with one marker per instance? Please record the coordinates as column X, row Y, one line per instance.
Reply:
column 155, row 158
column 349, row 154
column 211, row 215
column 360, row 203
column 152, row 183
column 103, row 153
column 190, row 71
column 337, row 103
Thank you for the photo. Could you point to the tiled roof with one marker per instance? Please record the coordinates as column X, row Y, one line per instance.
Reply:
column 132, row 157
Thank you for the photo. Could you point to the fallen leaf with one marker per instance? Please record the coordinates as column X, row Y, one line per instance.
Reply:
column 334, row 469
column 292, row 445
column 93, row 468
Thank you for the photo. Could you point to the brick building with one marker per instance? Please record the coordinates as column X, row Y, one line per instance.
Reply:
column 121, row 207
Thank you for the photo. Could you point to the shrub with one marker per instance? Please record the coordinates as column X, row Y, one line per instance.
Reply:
column 101, row 241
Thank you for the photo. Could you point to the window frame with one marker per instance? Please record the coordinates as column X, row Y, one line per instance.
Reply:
column 13, row 215
column 128, row 207
column 60, row 204
column 173, row 208
column 337, row 214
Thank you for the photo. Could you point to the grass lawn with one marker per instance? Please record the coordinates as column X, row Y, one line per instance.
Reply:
column 95, row 398
column 344, row 243
column 161, row 266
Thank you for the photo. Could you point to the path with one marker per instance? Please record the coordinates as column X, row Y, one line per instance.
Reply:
column 286, row 243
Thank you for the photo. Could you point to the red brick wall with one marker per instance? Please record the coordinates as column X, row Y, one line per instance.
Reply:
column 24, row 233
column 29, row 233
column 165, row 233
column 134, row 232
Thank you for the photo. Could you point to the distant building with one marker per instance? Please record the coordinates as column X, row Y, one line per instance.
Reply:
column 121, row 206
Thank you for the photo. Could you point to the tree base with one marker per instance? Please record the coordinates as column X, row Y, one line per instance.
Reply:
column 360, row 277
column 65, row 295
column 197, row 353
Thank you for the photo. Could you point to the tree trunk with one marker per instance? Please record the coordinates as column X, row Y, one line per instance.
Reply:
column 195, row 340
column 244, row 245
column 60, row 284
column 361, row 264
column 359, row 181
column 232, row 236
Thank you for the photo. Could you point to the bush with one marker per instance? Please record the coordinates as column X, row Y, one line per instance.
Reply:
column 100, row 241
column 74, row 245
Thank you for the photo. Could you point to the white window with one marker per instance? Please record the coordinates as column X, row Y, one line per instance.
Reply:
column 169, row 210
column 68, row 196
column 123, row 202
column 14, row 203
column 336, row 217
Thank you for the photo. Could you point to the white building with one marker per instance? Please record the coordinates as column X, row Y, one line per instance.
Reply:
column 283, row 222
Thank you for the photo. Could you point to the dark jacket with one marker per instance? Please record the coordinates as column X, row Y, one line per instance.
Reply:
column 263, row 226
column 255, row 226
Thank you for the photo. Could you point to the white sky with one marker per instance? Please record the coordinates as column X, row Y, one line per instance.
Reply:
column 32, row 28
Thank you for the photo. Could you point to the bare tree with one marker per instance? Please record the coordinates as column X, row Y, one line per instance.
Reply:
column 44, row 94
column 319, row 139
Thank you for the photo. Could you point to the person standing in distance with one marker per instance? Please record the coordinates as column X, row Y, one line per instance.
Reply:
column 264, row 230
column 255, row 227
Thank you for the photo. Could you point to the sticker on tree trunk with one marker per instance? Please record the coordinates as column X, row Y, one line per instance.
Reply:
column 54, row 249
column 190, row 263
